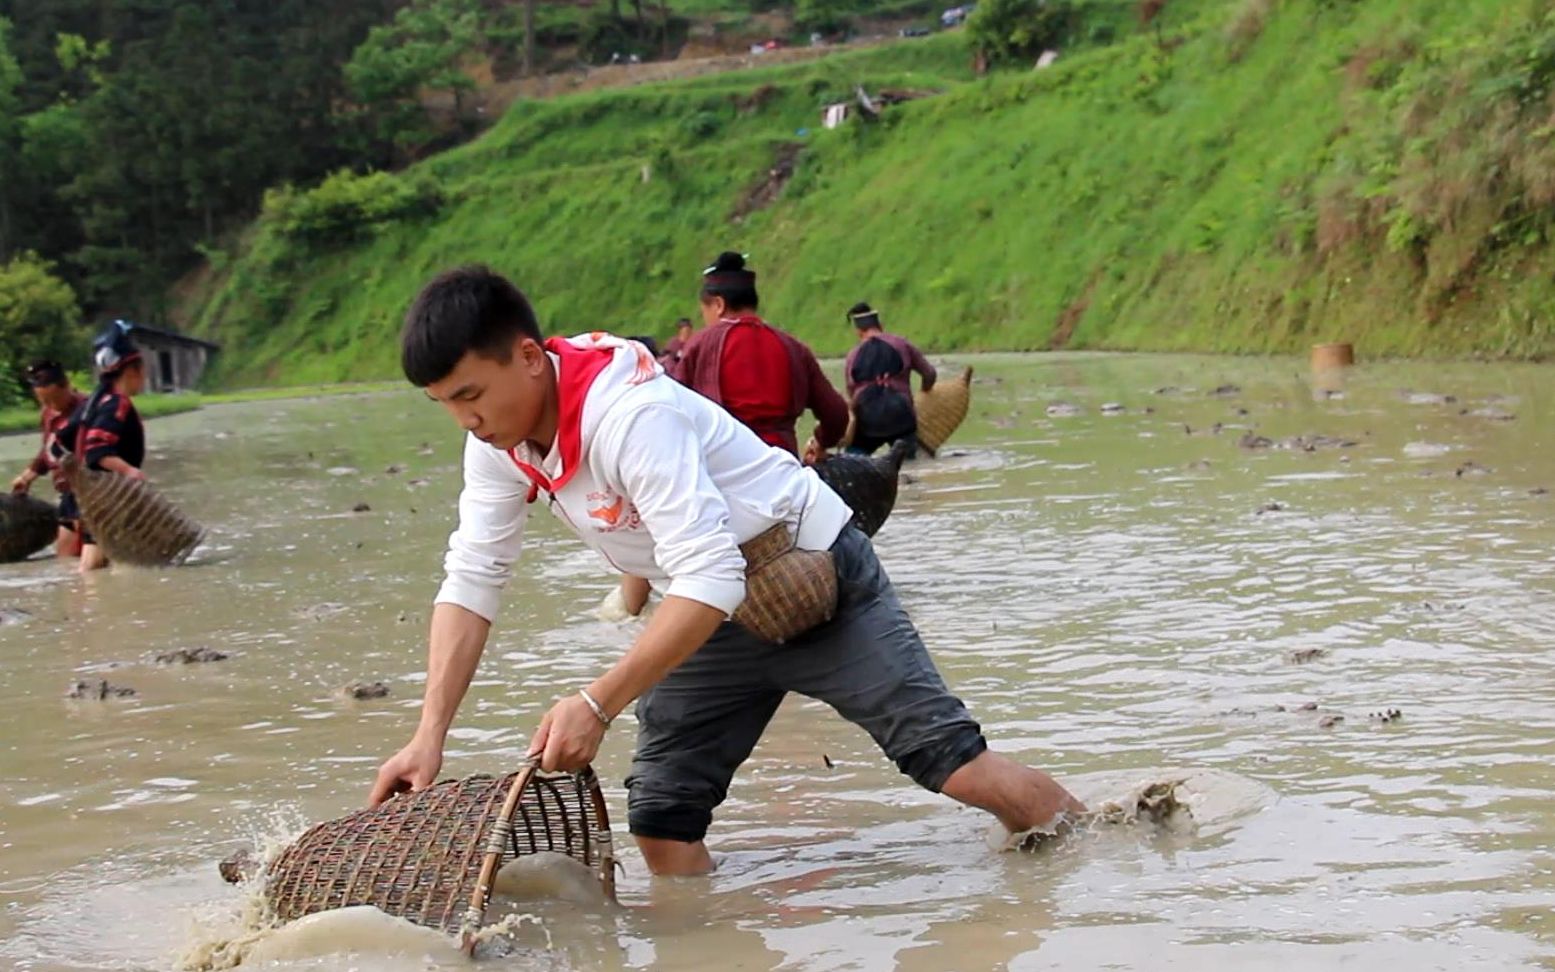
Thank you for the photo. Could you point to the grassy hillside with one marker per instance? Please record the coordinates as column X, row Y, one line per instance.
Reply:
column 1247, row 175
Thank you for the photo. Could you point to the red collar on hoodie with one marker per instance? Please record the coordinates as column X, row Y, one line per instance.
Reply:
column 575, row 373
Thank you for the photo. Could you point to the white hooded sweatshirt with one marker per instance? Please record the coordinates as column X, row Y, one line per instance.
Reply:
column 662, row 482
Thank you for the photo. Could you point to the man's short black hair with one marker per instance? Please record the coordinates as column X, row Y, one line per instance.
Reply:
column 683, row 322
column 469, row 308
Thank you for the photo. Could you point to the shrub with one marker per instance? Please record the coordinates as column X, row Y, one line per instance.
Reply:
column 1017, row 31
column 347, row 206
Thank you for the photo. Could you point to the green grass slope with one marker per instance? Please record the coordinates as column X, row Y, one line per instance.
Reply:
column 1247, row 175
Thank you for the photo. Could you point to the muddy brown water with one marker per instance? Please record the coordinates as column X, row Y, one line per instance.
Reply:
column 1102, row 588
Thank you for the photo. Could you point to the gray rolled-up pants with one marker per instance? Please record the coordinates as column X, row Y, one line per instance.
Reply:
column 701, row 722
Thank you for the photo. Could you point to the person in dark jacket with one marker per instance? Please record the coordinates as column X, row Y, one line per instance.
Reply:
column 106, row 432
column 59, row 401
column 879, row 372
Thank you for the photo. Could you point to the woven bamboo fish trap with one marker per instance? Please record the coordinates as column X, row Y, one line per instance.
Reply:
column 27, row 525
column 432, row 857
column 130, row 520
column 942, row 409
column 788, row 591
column 867, row 484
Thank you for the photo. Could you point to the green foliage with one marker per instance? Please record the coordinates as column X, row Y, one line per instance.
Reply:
column 1018, row 31
column 38, row 318
column 78, row 56
column 422, row 50
column 10, row 135
column 829, row 18
column 607, row 35
column 1382, row 172
column 347, row 206
column 148, row 126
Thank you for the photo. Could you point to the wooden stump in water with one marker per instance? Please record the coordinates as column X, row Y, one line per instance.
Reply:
column 942, row 409
column 130, row 520
column 1327, row 356
column 27, row 525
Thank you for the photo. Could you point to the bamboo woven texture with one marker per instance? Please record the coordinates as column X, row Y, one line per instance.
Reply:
column 27, row 525
column 130, row 520
column 942, row 409
column 788, row 591
column 430, row 857
column 867, row 484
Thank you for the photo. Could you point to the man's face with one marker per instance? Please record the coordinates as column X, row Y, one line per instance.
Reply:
column 52, row 396
column 501, row 403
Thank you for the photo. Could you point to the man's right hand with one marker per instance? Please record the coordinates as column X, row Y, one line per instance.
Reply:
column 413, row 768
column 21, row 484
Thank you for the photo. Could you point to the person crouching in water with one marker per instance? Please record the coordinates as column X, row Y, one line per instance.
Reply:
column 663, row 483
column 59, row 401
column 879, row 370
column 106, row 432
column 765, row 377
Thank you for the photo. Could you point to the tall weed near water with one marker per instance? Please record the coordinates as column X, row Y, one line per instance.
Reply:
column 1377, row 171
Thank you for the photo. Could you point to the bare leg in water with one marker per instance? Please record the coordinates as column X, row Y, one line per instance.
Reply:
column 92, row 558
column 1020, row 796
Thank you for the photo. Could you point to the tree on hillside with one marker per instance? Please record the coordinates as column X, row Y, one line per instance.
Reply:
column 1018, row 31
column 147, row 126
column 826, row 17
column 10, row 134
column 423, row 50
column 38, row 318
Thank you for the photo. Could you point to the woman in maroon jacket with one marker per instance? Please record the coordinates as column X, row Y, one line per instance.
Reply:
column 765, row 377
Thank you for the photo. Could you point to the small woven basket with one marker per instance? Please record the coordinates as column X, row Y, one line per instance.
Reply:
column 788, row 591
column 431, row 857
column 942, row 409
column 130, row 520
column 27, row 525
column 867, row 484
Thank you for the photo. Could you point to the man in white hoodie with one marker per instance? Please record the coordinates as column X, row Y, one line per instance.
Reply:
column 665, row 485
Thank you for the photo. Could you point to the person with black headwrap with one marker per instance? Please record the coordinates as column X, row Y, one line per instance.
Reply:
column 765, row 377
column 879, row 372
column 59, row 401
column 106, row 432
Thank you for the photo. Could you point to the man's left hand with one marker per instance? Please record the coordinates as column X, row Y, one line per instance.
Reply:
column 568, row 737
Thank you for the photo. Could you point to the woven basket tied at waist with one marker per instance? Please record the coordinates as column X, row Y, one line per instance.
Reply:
column 788, row 591
column 942, row 409
column 131, row 521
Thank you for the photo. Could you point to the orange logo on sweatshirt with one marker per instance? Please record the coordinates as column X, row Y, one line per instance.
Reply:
column 609, row 515
column 644, row 365
column 611, row 512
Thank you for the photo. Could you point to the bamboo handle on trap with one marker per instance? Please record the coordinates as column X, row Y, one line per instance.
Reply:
column 492, row 857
